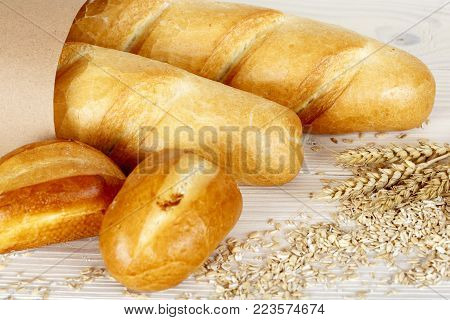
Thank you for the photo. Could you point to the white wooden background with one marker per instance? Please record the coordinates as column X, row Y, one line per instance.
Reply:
column 427, row 38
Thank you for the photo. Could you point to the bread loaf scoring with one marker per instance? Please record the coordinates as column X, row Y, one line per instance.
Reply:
column 129, row 106
column 166, row 220
column 336, row 80
column 54, row 191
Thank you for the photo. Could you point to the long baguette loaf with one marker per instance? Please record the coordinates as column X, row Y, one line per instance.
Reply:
column 336, row 80
column 166, row 220
column 54, row 191
column 129, row 106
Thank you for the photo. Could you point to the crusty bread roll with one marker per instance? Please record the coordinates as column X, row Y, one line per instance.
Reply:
column 336, row 80
column 166, row 220
column 129, row 106
column 54, row 191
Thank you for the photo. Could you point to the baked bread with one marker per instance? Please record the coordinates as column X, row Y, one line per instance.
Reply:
column 129, row 106
column 336, row 80
column 167, row 219
column 54, row 191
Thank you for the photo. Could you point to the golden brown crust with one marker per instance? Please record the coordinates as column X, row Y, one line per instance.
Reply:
column 54, row 191
column 129, row 106
column 234, row 44
column 350, row 84
column 127, row 18
column 192, row 26
column 391, row 91
column 163, row 225
column 54, row 211
column 50, row 160
column 338, row 81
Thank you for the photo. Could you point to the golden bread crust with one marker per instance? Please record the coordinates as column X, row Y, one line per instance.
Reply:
column 338, row 81
column 54, row 191
column 129, row 106
column 163, row 225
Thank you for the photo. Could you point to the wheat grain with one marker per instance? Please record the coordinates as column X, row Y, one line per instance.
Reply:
column 283, row 272
column 328, row 253
column 87, row 275
column 134, row 295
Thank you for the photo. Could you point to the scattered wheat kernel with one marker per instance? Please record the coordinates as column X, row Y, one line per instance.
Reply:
column 330, row 252
column 254, row 235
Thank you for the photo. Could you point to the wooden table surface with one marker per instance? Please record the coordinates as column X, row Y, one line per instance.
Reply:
column 424, row 29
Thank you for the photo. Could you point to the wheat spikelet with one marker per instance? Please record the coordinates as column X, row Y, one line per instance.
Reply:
column 376, row 155
column 428, row 184
column 381, row 178
column 438, row 185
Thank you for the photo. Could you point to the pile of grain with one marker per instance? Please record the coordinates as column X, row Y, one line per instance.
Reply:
column 397, row 205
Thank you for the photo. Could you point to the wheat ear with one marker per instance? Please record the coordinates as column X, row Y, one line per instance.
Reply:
column 381, row 178
column 372, row 155
column 437, row 186
column 428, row 184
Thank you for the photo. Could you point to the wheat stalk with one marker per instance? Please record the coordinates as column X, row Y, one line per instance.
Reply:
column 381, row 178
column 375, row 155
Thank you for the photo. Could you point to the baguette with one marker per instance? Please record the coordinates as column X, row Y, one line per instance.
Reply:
column 166, row 220
column 129, row 107
column 54, row 191
column 336, row 80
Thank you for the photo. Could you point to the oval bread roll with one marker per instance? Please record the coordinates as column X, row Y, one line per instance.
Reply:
column 336, row 80
column 54, row 191
column 129, row 106
column 166, row 220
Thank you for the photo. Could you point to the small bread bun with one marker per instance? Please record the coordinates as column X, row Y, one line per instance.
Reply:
column 167, row 219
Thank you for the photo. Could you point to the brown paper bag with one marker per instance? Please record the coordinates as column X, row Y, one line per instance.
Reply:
column 32, row 33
